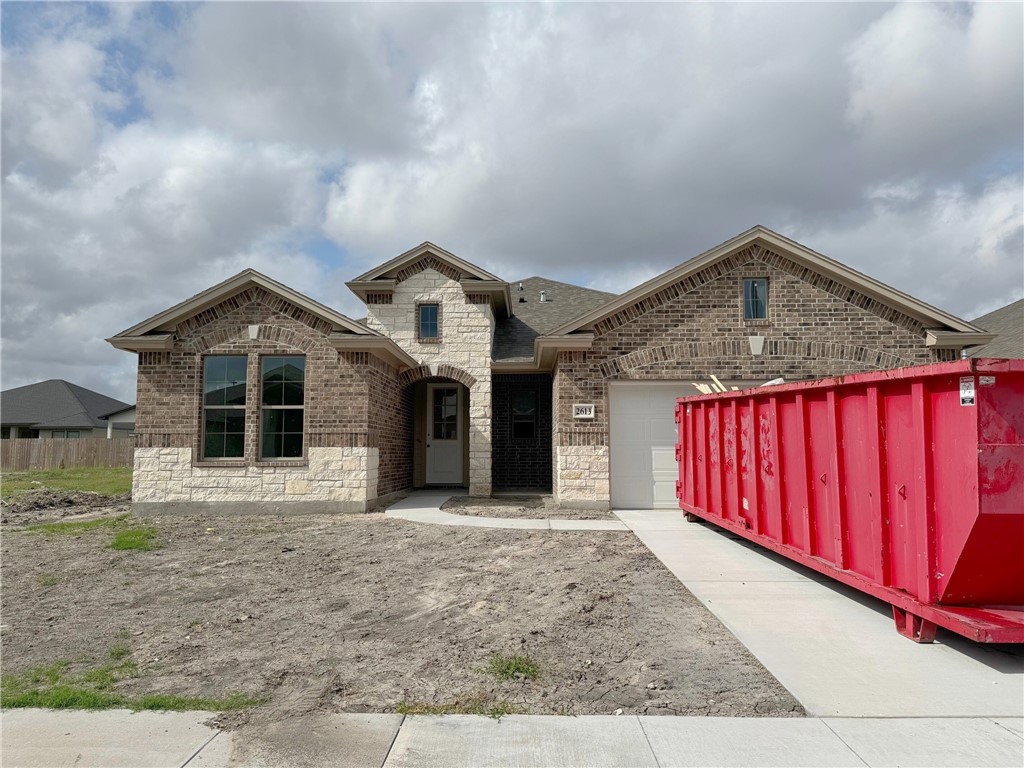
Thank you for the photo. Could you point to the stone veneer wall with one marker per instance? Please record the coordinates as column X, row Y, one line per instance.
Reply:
column 815, row 327
column 340, row 479
column 342, row 453
column 467, row 328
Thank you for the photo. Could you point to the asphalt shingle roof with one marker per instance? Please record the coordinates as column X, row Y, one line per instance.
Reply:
column 56, row 404
column 513, row 337
column 1008, row 322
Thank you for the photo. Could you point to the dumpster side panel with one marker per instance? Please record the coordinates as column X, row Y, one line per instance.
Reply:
column 859, row 453
column 899, row 468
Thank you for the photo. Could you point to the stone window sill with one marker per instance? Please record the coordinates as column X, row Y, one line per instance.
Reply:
column 228, row 464
column 282, row 463
column 765, row 323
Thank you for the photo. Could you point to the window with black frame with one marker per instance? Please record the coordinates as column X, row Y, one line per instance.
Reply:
column 224, row 406
column 282, row 406
column 524, row 414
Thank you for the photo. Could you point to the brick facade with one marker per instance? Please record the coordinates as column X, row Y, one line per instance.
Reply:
column 690, row 330
column 521, row 463
column 346, row 431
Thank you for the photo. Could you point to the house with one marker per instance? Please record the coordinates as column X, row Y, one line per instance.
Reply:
column 58, row 408
column 1008, row 325
column 252, row 396
column 123, row 419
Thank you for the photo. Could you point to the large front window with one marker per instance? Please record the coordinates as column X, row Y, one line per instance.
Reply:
column 224, row 406
column 282, row 401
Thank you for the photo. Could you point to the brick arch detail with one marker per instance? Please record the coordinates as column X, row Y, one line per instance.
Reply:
column 444, row 371
column 733, row 349
column 283, row 337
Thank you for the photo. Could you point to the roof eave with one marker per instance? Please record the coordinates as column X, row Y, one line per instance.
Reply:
column 943, row 339
column 147, row 343
column 379, row 346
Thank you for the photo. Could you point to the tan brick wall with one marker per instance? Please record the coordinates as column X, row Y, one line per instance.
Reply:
column 815, row 327
column 344, row 438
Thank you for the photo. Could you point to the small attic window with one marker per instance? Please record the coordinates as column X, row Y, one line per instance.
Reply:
column 755, row 298
column 428, row 322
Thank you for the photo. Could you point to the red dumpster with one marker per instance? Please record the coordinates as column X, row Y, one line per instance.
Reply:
column 906, row 484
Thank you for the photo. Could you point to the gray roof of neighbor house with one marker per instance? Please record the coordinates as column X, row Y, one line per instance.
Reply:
column 513, row 336
column 56, row 404
column 1008, row 323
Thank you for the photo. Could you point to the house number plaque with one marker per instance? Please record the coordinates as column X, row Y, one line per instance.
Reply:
column 583, row 410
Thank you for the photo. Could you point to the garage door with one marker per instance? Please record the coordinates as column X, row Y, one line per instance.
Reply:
column 643, row 440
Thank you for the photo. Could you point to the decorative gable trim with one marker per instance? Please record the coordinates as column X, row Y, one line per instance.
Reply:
column 816, row 268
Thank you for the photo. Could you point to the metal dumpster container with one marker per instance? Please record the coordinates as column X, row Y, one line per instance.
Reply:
column 906, row 484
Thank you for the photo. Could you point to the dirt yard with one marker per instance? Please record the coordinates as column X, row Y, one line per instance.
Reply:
column 370, row 614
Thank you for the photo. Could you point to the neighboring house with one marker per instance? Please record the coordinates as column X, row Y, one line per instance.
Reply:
column 1008, row 325
column 252, row 396
column 58, row 408
column 122, row 420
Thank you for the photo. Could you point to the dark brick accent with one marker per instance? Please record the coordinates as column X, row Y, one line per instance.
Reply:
column 428, row 262
column 379, row 298
column 520, row 463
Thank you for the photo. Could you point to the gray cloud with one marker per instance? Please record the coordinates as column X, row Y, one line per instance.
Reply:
column 595, row 143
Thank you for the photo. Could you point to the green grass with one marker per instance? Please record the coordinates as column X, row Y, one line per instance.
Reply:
column 108, row 481
column 124, row 537
column 135, row 538
column 54, row 686
column 475, row 704
column 47, row 580
column 513, row 667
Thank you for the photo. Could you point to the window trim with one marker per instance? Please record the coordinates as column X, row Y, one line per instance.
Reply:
column 747, row 281
column 512, row 413
column 278, row 460
column 244, row 408
column 419, row 322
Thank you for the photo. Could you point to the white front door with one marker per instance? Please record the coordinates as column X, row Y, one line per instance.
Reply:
column 444, row 434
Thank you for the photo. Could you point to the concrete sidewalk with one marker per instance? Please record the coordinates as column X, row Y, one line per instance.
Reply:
column 112, row 739
column 425, row 507
column 834, row 648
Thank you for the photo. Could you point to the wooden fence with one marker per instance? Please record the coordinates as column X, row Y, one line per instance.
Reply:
column 65, row 453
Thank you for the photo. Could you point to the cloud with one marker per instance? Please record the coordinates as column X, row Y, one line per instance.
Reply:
column 150, row 151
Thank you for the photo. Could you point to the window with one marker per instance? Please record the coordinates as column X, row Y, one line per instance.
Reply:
column 428, row 322
column 71, row 433
column 524, row 414
column 224, row 406
column 282, row 400
column 755, row 298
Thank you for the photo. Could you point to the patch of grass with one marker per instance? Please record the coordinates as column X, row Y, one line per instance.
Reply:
column 47, row 580
column 475, row 704
column 53, row 687
column 513, row 667
column 135, row 538
column 108, row 481
column 82, row 526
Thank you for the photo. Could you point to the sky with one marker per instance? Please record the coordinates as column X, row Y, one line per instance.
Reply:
column 150, row 151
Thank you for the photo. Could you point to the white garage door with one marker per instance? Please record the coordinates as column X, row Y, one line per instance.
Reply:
column 643, row 444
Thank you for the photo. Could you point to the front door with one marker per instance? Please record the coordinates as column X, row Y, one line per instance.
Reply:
column 444, row 434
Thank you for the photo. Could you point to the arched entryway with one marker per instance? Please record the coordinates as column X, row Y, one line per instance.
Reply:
column 440, row 396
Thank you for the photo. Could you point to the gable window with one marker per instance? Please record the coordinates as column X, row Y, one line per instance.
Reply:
column 282, row 406
column 755, row 298
column 428, row 322
column 524, row 414
column 224, row 406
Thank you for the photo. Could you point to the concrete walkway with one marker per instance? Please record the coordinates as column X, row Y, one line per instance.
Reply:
column 425, row 507
column 116, row 739
column 834, row 648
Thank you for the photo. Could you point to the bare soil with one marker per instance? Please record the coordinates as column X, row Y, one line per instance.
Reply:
column 50, row 506
column 366, row 614
column 525, row 507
